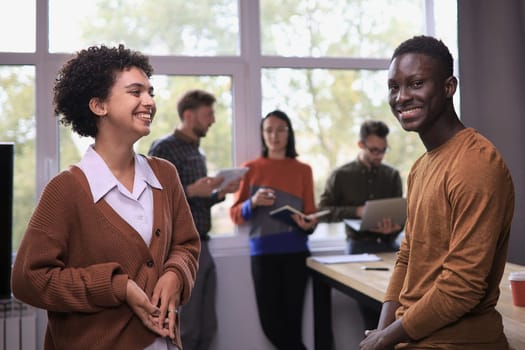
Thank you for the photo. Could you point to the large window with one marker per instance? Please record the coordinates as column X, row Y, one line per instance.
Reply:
column 322, row 62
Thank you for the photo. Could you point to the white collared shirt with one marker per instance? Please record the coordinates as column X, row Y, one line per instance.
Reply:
column 136, row 207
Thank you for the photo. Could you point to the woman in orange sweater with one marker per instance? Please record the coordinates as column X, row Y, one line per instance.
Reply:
column 278, row 250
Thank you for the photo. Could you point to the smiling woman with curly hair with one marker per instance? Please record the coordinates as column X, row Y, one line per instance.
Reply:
column 111, row 249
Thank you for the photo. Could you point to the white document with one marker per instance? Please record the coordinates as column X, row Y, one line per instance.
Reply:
column 230, row 174
column 347, row 258
column 355, row 224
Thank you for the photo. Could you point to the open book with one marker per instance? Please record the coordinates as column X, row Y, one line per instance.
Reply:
column 285, row 212
column 230, row 174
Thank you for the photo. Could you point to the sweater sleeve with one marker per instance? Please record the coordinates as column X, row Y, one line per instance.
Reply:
column 308, row 191
column 398, row 275
column 240, row 211
column 400, row 268
column 184, row 249
column 41, row 276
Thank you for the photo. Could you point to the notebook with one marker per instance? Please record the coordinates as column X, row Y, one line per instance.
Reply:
column 285, row 213
column 378, row 209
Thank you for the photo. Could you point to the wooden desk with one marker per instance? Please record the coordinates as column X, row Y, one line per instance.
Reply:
column 370, row 287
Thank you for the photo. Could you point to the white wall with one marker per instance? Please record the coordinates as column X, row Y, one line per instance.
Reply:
column 492, row 47
column 239, row 327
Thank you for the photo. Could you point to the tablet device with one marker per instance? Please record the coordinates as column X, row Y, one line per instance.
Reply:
column 230, row 174
column 378, row 209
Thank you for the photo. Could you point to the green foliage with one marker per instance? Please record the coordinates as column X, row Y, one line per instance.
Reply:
column 337, row 28
column 172, row 27
column 17, row 125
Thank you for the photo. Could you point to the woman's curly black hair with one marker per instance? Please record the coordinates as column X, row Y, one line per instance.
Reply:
column 91, row 73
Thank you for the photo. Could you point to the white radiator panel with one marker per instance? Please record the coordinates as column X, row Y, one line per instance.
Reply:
column 17, row 326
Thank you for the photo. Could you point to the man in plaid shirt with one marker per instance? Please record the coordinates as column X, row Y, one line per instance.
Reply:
column 196, row 112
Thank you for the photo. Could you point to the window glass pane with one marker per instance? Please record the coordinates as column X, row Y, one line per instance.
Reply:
column 163, row 27
column 338, row 28
column 217, row 145
column 446, row 18
column 17, row 25
column 327, row 108
column 17, row 124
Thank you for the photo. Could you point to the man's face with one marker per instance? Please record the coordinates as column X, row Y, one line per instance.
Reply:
column 418, row 91
column 374, row 149
column 202, row 118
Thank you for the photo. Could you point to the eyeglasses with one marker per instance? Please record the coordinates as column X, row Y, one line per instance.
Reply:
column 376, row 151
column 277, row 130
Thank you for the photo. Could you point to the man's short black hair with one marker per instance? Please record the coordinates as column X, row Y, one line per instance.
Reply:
column 429, row 46
column 373, row 127
column 194, row 99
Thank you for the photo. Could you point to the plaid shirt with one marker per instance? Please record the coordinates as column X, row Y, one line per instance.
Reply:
column 190, row 162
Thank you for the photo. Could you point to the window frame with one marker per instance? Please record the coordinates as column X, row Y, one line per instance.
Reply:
column 244, row 69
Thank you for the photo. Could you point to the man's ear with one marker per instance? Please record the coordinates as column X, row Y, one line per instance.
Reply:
column 187, row 115
column 451, row 83
column 98, row 107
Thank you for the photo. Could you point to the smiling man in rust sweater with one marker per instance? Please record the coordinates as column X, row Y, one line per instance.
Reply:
column 445, row 284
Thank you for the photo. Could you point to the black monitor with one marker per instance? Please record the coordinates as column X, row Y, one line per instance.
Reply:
column 6, row 217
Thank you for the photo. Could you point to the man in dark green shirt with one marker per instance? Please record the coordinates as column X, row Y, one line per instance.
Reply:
column 351, row 185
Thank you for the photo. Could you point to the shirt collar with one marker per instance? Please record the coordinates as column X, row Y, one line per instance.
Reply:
column 365, row 167
column 101, row 180
column 145, row 172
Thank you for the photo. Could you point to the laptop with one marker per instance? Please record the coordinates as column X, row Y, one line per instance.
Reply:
column 378, row 209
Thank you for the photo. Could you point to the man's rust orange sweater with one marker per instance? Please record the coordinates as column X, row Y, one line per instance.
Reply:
column 460, row 207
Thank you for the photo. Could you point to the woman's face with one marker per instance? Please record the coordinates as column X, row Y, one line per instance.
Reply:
column 129, row 107
column 275, row 135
